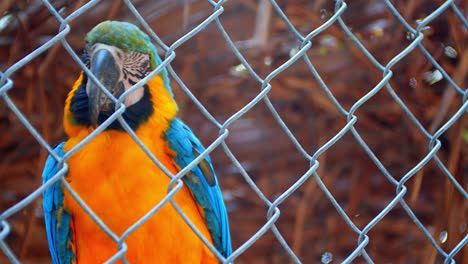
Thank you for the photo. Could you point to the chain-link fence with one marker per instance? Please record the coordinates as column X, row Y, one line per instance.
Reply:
column 448, row 113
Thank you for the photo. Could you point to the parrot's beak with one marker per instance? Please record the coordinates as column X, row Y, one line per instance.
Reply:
column 107, row 70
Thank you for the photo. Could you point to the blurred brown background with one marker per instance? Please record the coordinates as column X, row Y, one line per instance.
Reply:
column 207, row 65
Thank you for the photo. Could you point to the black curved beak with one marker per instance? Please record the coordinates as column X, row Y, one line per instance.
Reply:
column 107, row 71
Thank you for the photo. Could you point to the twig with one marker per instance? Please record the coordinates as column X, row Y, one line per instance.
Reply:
column 446, row 102
column 454, row 211
column 115, row 10
column 306, row 204
column 262, row 27
column 185, row 15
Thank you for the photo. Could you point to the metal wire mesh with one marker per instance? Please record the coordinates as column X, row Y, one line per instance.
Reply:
column 415, row 37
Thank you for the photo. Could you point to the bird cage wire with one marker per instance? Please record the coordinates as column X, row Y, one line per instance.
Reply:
column 415, row 36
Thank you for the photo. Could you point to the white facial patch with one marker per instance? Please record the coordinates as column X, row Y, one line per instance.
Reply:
column 134, row 96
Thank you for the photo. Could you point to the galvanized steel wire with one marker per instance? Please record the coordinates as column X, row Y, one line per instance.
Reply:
column 416, row 37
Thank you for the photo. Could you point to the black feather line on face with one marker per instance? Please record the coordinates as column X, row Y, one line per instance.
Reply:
column 85, row 57
column 137, row 65
column 79, row 104
column 134, row 115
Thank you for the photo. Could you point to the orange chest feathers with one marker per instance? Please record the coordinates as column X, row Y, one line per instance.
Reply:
column 120, row 183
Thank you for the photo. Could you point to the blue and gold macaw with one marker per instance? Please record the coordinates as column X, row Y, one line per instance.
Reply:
column 113, row 175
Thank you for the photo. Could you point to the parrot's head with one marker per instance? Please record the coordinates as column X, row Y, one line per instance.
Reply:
column 119, row 54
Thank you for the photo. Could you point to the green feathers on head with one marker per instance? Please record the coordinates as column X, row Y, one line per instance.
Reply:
column 127, row 37
column 123, row 35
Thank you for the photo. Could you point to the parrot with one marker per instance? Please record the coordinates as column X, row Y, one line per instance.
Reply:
column 115, row 177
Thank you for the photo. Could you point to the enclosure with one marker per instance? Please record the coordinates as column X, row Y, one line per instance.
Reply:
column 337, row 129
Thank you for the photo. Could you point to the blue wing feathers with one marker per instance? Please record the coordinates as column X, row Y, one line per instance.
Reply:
column 202, row 182
column 57, row 219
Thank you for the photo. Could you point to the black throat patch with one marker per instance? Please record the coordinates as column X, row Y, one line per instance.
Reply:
column 134, row 115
